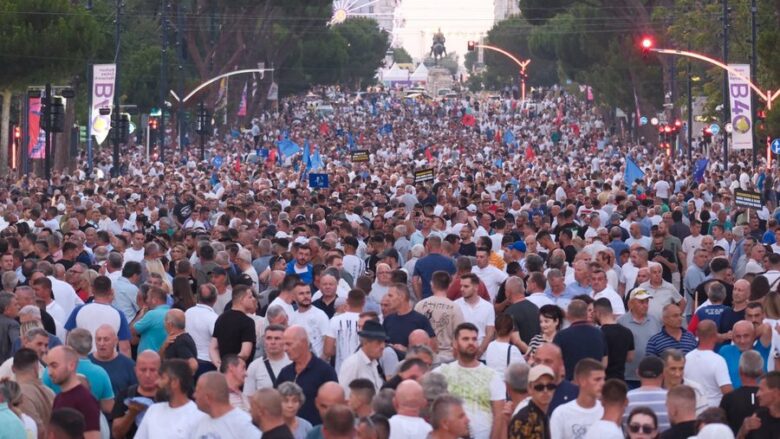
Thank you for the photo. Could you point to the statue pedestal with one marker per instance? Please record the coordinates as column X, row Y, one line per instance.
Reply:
column 438, row 78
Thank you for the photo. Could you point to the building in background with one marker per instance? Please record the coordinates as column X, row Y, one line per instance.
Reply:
column 503, row 9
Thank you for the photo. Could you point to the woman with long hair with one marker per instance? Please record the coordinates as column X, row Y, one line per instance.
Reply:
column 182, row 293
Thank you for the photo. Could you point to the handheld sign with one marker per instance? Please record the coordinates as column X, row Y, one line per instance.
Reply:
column 422, row 175
column 318, row 181
column 748, row 199
column 360, row 155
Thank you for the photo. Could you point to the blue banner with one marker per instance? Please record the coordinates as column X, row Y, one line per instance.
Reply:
column 633, row 172
column 701, row 166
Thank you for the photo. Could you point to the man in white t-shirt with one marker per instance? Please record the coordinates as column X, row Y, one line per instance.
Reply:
column 480, row 387
column 573, row 419
column 614, row 400
column 692, row 241
column 491, row 276
column 313, row 319
column 598, row 281
column 706, row 367
column 223, row 420
column 407, row 423
column 477, row 311
column 662, row 189
column 178, row 417
column 341, row 337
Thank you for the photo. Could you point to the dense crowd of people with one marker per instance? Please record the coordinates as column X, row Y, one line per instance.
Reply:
column 525, row 290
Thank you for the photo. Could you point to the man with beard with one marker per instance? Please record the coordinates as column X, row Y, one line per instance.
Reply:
column 62, row 362
column 479, row 386
column 147, row 367
column 313, row 319
column 179, row 415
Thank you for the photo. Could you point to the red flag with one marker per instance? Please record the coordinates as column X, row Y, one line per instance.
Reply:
column 529, row 153
column 271, row 156
column 428, row 154
column 237, row 165
column 497, row 138
column 324, row 128
column 469, row 120
column 360, row 140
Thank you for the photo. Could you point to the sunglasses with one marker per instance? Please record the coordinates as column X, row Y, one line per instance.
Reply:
column 542, row 387
column 644, row 428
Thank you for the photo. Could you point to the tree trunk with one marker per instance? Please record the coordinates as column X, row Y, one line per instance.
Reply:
column 4, row 131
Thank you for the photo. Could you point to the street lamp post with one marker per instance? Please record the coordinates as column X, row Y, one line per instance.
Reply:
column 767, row 95
column 522, row 64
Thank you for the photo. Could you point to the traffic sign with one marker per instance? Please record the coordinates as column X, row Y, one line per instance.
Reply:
column 776, row 146
column 643, row 120
column 714, row 129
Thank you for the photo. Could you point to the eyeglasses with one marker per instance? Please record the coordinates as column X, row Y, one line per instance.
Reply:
column 645, row 428
column 542, row 387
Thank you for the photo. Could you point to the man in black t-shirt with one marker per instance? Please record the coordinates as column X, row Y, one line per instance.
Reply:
column 126, row 415
column 524, row 313
column 234, row 330
column 681, row 406
column 765, row 422
column 620, row 340
column 179, row 344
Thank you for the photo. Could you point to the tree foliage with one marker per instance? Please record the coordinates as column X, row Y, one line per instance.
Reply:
column 401, row 56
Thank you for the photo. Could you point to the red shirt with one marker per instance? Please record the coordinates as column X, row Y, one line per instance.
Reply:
column 81, row 400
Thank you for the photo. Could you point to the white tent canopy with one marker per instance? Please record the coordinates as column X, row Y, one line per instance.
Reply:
column 420, row 74
column 395, row 74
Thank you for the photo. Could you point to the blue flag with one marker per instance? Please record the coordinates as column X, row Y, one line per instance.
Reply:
column 632, row 172
column 287, row 147
column 351, row 141
column 306, row 155
column 509, row 137
column 316, row 160
column 701, row 166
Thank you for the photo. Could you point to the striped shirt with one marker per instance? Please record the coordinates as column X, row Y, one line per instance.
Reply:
column 655, row 399
column 663, row 341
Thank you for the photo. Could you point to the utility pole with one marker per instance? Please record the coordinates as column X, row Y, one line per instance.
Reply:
column 163, row 82
column 47, row 127
column 115, row 113
column 753, row 75
column 180, row 45
column 725, row 84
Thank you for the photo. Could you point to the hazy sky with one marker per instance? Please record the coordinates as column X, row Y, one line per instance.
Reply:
column 459, row 20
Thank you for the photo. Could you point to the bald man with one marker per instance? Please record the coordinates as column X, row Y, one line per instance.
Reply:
column 307, row 370
column 62, row 362
column 408, row 401
column 740, row 296
column 179, row 344
column 147, row 374
column 118, row 367
column 266, row 406
column 224, row 421
column 706, row 367
column 744, row 338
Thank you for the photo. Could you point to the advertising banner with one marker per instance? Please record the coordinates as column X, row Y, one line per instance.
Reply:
column 741, row 108
column 103, row 76
column 36, row 147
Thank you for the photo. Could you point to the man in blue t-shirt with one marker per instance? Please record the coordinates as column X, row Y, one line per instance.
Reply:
column 301, row 266
column 744, row 337
column 426, row 266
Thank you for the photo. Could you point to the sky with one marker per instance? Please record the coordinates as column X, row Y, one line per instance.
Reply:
column 459, row 20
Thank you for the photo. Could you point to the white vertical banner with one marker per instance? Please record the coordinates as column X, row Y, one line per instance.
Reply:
column 741, row 108
column 103, row 77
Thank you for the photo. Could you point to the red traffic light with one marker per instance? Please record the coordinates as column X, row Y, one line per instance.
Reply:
column 667, row 129
column 677, row 123
column 470, row 46
column 647, row 43
column 17, row 133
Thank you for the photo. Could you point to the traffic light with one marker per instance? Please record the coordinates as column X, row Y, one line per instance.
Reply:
column 203, row 122
column 646, row 43
column 706, row 135
column 120, row 125
column 470, row 46
column 17, row 133
column 153, row 122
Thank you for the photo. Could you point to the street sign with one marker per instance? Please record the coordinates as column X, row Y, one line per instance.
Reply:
column 318, row 181
column 643, row 120
column 714, row 129
column 776, row 146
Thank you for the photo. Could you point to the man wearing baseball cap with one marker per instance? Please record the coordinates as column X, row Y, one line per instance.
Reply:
column 642, row 326
column 531, row 422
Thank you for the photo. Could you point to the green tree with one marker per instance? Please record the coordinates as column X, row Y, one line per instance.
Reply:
column 366, row 48
column 40, row 41
column 449, row 62
column 401, row 56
